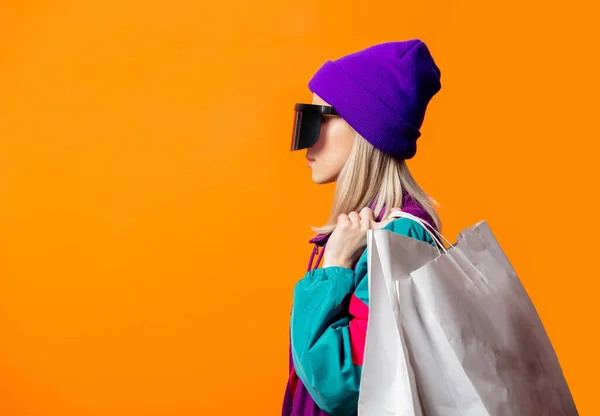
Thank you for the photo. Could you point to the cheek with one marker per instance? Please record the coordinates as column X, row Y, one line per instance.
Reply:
column 334, row 151
column 340, row 142
column 334, row 146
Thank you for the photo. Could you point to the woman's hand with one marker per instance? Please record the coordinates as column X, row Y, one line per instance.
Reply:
column 349, row 239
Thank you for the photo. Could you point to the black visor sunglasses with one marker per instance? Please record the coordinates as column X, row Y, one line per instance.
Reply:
column 307, row 124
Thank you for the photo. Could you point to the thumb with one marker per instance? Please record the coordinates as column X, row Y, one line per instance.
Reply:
column 386, row 220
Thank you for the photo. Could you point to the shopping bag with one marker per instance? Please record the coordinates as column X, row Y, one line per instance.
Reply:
column 462, row 327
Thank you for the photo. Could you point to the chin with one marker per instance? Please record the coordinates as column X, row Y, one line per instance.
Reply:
column 322, row 180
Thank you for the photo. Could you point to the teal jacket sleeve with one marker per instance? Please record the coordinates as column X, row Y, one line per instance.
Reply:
column 328, row 328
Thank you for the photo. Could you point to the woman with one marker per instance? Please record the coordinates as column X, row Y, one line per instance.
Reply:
column 359, row 131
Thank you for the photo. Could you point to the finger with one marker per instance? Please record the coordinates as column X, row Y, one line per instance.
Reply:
column 354, row 218
column 379, row 225
column 343, row 220
column 366, row 218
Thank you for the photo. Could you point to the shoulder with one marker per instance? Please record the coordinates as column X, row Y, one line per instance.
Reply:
column 409, row 228
column 403, row 226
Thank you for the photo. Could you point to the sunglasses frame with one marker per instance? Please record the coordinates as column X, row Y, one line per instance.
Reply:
column 316, row 108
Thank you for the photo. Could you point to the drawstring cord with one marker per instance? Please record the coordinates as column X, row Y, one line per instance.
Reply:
column 319, row 258
column 312, row 256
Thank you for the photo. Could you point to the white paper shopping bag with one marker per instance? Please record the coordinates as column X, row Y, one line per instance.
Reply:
column 387, row 382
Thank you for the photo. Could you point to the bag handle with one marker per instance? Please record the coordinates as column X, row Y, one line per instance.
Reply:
column 433, row 233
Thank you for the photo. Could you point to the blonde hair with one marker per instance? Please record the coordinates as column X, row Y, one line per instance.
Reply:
column 371, row 175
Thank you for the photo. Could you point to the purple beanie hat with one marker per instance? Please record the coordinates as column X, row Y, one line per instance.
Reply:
column 382, row 92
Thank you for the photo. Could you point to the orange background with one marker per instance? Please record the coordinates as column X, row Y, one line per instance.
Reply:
column 153, row 221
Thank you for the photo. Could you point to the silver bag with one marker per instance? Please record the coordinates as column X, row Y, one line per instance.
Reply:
column 452, row 332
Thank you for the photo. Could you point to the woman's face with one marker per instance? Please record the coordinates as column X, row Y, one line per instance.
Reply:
column 328, row 156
